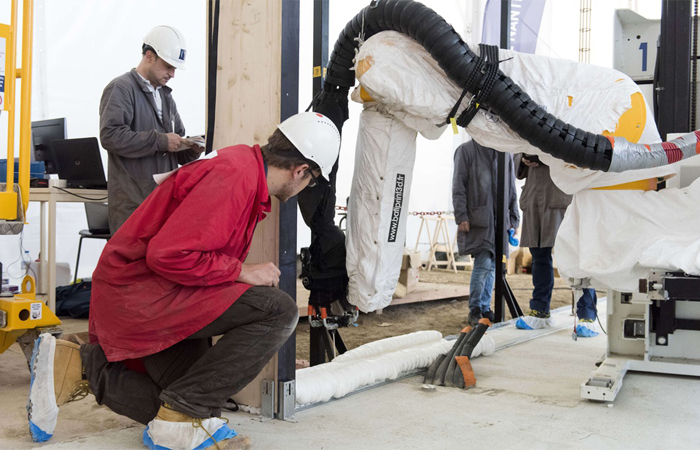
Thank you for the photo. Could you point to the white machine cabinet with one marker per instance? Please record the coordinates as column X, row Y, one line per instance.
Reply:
column 654, row 330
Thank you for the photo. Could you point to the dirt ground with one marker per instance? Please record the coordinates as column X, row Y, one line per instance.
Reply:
column 446, row 316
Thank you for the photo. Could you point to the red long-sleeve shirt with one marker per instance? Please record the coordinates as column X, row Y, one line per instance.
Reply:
column 171, row 269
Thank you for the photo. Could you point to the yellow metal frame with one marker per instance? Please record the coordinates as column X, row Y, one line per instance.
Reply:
column 8, row 199
column 24, row 312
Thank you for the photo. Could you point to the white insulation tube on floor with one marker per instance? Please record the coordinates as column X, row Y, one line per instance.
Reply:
column 372, row 363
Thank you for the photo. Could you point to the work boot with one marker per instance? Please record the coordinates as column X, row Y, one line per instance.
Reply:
column 473, row 318
column 175, row 430
column 539, row 314
column 78, row 338
column 490, row 315
column 68, row 381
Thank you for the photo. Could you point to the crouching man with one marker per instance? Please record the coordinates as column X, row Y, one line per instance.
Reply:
column 174, row 276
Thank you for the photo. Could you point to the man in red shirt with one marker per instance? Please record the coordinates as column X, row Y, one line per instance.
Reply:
column 174, row 276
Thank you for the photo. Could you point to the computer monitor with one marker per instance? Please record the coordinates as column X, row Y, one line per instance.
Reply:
column 44, row 132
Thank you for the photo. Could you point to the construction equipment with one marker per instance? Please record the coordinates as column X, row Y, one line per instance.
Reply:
column 653, row 330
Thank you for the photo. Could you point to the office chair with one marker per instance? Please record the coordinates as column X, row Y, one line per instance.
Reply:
column 98, row 228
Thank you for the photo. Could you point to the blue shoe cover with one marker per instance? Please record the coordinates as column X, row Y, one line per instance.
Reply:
column 522, row 325
column 224, row 432
column 584, row 331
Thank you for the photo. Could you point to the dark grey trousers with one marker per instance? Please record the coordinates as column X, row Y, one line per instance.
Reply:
column 192, row 376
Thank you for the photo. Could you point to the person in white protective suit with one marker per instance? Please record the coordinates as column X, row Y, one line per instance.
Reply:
column 544, row 205
column 474, row 200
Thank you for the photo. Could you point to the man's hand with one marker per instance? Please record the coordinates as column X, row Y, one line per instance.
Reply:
column 174, row 142
column 529, row 163
column 261, row 274
column 464, row 227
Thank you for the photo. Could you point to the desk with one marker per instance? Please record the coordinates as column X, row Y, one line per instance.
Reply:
column 49, row 197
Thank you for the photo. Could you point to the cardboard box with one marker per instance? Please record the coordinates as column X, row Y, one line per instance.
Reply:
column 410, row 267
column 527, row 257
column 512, row 262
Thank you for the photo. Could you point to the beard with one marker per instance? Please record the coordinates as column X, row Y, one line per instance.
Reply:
column 288, row 190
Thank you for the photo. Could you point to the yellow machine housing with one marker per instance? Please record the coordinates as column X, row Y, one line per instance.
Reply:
column 23, row 312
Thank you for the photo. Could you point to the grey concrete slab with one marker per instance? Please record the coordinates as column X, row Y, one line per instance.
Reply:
column 527, row 396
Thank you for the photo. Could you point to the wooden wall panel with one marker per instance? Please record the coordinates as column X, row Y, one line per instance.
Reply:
column 248, row 91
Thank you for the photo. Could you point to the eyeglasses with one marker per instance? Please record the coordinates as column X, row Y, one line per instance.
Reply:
column 314, row 180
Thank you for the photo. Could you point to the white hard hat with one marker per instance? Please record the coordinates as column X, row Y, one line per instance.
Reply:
column 316, row 137
column 169, row 45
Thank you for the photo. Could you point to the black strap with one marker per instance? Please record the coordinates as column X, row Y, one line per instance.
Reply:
column 468, row 86
column 490, row 71
column 212, row 71
column 486, row 69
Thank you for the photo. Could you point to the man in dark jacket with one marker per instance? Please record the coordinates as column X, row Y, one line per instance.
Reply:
column 474, row 199
column 140, row 127
column 544, row 205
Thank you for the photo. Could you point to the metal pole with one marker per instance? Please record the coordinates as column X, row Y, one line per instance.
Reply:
column 503, row 293
column 674, row 68
column 9, row 200
column 318, row 335
column 26, row 101
column 320, row 56
column 289, row 105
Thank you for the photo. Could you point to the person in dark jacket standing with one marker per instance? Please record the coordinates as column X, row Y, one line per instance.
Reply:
column 474, row 187
column 544, row 205
column 139, row 124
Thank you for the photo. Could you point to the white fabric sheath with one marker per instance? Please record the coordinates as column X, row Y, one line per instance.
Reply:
column 378, row 207
column 616, row 237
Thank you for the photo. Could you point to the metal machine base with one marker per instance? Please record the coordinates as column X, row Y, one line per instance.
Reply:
column 655, row 330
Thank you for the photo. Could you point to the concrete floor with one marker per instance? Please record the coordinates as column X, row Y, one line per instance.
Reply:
column 527, row 396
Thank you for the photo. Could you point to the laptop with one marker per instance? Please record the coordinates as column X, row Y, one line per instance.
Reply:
column 97, row 217
column 78, row 161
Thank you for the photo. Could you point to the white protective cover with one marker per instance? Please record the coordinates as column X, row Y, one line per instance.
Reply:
column 406, row 80
column 184, row 435
column 615, row 237
column 42, row 409
column 377, row 210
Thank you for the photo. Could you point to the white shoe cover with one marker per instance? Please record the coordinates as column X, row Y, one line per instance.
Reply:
column 41, row 407
column 161, row 434
column 535, row 323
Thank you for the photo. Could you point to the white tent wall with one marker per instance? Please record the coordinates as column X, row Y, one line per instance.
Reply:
column 80, row 46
